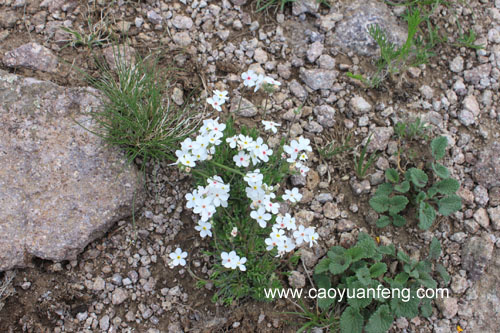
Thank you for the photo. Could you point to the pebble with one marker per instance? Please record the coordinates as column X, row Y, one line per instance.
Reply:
column 119, row 296
column 359, row 105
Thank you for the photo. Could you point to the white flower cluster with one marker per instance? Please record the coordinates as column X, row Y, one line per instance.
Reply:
column 249, row 150
column 205, row 200
column 298, row 150
column 203, row 146
column 233, row 261
column 218, row 99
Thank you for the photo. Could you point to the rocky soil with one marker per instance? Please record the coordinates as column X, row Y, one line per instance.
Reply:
column 120, row 281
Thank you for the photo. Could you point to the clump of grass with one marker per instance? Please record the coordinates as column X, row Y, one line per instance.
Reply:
column 138, row 114
column 364, row 160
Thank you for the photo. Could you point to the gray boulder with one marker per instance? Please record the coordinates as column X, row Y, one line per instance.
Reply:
column 60, row 187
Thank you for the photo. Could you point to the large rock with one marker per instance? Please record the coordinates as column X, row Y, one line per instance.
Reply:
column 60, row 187
column 351, row 33
column 487, row 170
column 485, row 299
column 476, row 256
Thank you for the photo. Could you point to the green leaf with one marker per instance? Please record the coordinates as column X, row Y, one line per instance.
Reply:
column 380, row 321
column 336, row 251
column 406, row 305
column 361, row 297
column 426, row 280
column 438, row 147
column 425, row 307
column 403, row 257
column 380, row 203
column 443, row 273
column 449, row 204
column 384, row 189
column 351, row 321
column 369, row 246
column 426, row 215
column 378, row 269
column 363, row 276
column 323, row 282
column 322, row 266
column 440, row 170
column 389, row 249
column 401, row 278
column 392, row 175
column 397, row 203
column 417, row 177
column 447, row 186
column 434, row 249
column 403, row 187
column 383, row 221
column 339, row 264
column 398, row 220
column 356, row 253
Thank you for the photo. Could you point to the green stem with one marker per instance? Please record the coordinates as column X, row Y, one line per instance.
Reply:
column 226, row 168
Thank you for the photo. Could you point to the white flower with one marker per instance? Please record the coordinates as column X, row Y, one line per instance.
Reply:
column 258, row 82
column 234, row 232
column 245, row 142
column 300, row 235
column 215, row 102
column 264, row 152
column 229, row 260
column 192, row 199
column 205, row 208
column 278, row 235
column 272, row 207
column 221, row 95
column 270, row 80
column 254, row 177
column 293, row 150
column 242, row 159
column 270, row 125
column 249, row 78
column 241, row 264
column 271, row 243
column 303, row 156
column 304, row 144
column 204, row 229
column 302, row 168
column 288, row 245
column 178, row 258
column 293, row 195
column 311, row 236
column 185, row 158
column 233, row 141
column 260, row 216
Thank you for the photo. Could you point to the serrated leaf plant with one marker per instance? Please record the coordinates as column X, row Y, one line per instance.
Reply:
column 236, row 199
column 363, row 269
column 430, row 192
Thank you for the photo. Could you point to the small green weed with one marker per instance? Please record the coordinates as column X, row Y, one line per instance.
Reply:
column 329, row 150
column 137, row 112
column 411, row 130
column 362, row 270
column 364, row 161
column 392, row 197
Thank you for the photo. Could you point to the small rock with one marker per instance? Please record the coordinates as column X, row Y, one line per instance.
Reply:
column 182, row 39
column 325, row 115
column 246, row 108
column 122, row 56
column 297, row 90
column 487, row 170
column 331, row 210
column 380, row 139
column 359, row 105
column 318, row 78
column 470, row 103
column 104, row 323
column 119, row 296
column 304, row 6
column 476, row 255
column 427, row 91
column 32, row 56
column 494, row 214
column 260, row 56
column 481, row 217
column 457, row 64
column 99, row 284
column 182, row 22
column 314, row 51
column 308, row 257
column 297, row 279
column 448, row 306
column 154, row 17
